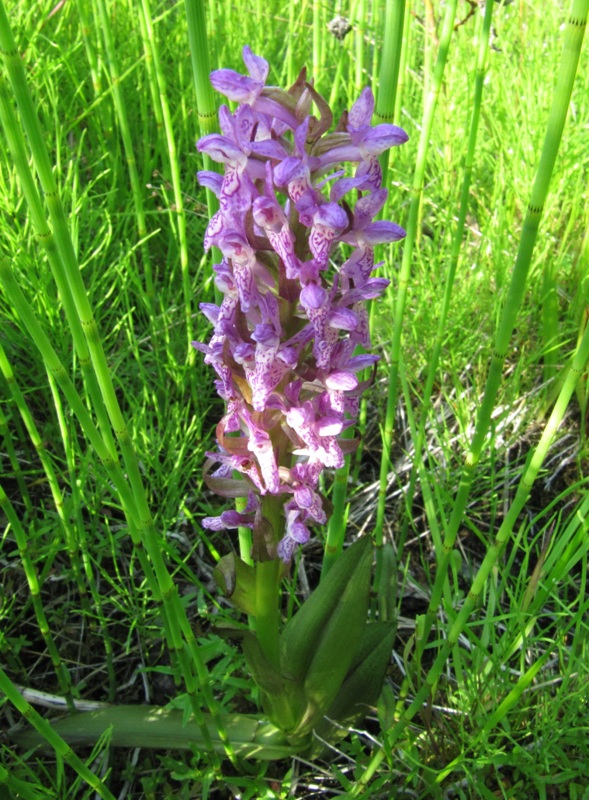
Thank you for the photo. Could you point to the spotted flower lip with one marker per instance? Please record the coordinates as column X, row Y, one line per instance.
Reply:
column 292, row 315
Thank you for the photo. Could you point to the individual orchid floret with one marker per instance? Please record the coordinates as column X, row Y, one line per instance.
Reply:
column 329, row 220
column 250, row 90
column 296, row 533
column 293, row 313
column 241, row 88
column 235, row 519
column 365, row 142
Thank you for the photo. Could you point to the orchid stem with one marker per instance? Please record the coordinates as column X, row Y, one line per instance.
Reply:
column 267, row 581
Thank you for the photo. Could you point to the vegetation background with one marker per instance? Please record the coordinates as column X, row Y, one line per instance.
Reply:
column 113, row 87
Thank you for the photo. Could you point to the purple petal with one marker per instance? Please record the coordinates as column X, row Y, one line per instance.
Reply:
column 286, row 549
column 210, row 180
column 233, row 519
column 373, row 288
column 329, row 426
column 343, row 318
column 341, row 381
column 382, row 232
column 269, row 149
column 256, row 65
column 300, row 136
column 359, row 265
column 268, row 214
column 213, row 230
column 368, row 206
column 213, row 523
column 361, row 112
column 289, row 170
column 376, row 140
column 266, row 334
column 236, row 87
column 289, row 356
column 330, row 215
column 221, row 149
column 371, row 172
column 211, row 311
column 345, row 185
column 303, row 496
column 243, row 124
column 266, row 105
column 357, row 363
column 299, row 532
column 345, row 152
column 313, row 296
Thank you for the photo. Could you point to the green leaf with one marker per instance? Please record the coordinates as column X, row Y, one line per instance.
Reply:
column 364, row 680
column 336, row 647
column 264, row 674
column 386, row 589
column 149, row 726
column 302, row 634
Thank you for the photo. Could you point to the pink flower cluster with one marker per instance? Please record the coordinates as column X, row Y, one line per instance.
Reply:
column 286, row 333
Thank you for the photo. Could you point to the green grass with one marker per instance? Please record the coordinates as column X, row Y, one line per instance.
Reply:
column 509, row 713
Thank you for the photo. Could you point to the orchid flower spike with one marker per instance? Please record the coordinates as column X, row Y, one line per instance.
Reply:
column 292, row 314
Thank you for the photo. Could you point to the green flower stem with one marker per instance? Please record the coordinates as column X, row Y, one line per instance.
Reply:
column 176, row 625
column 61, row 748
column 63, row 675
column 404, row 275
column 267, row 584
column 125, row 130
column 336, row 528
column 267, row 617
column 452, row 266
column 180, row 215
column 573, row 38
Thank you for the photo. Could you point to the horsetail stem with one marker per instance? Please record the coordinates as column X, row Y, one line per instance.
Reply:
column 404, row 275
column 573, row 39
